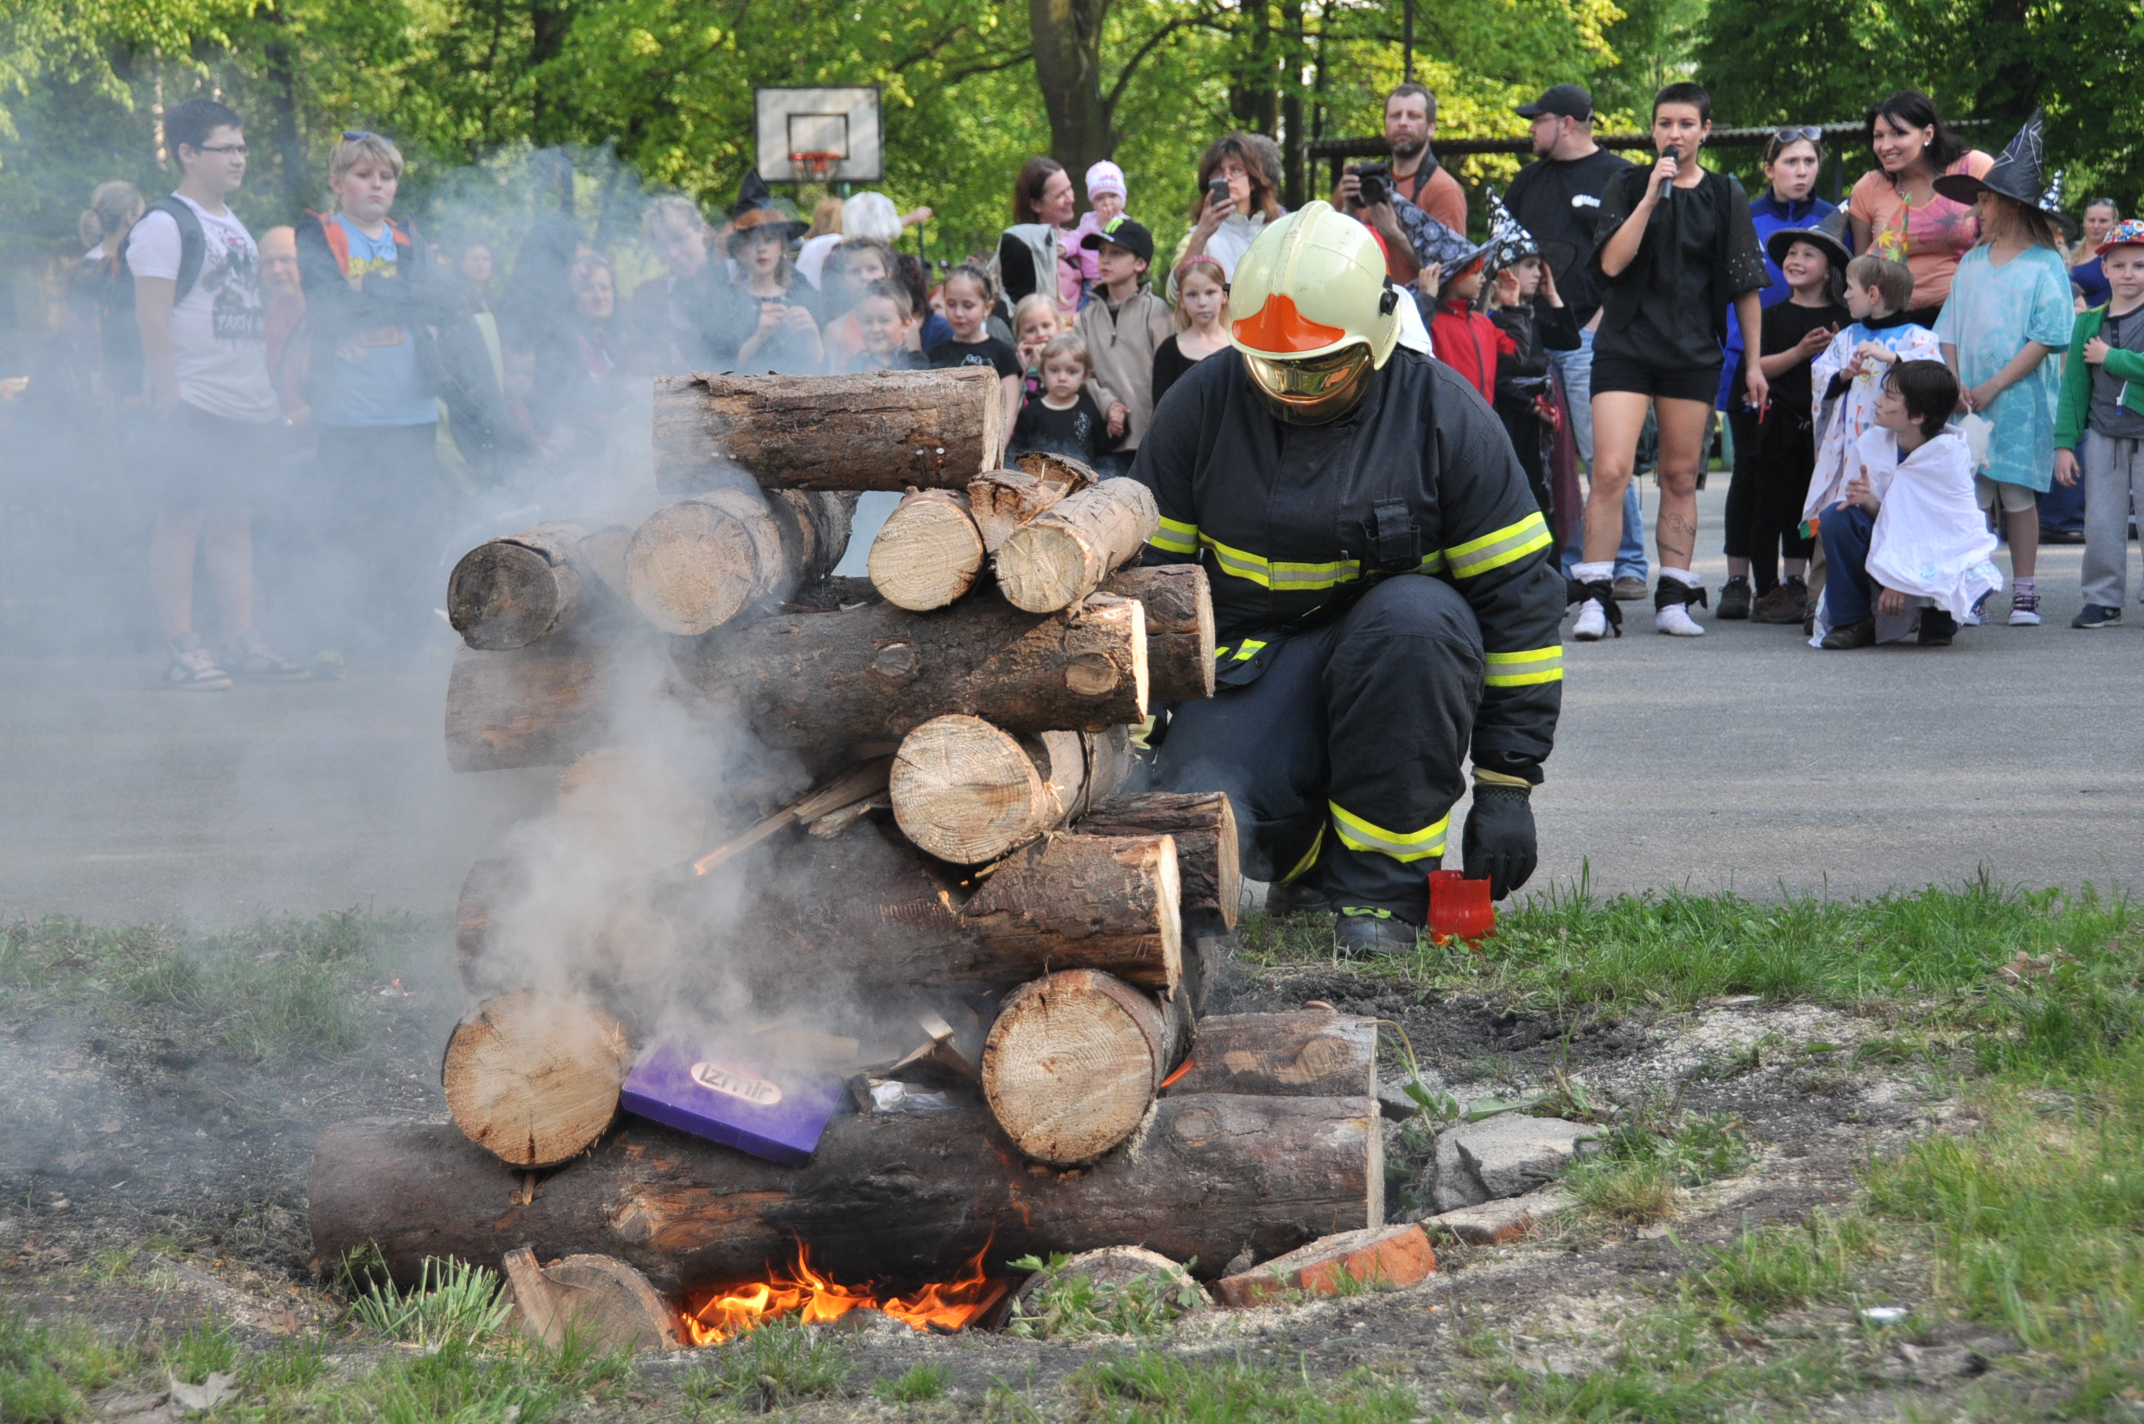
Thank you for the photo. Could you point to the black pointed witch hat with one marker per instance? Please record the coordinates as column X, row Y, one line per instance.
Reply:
column 2016, row 174
column 756, row 208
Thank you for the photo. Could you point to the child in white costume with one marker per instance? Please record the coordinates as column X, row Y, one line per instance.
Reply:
column 1847, row 378
column 1909, row 533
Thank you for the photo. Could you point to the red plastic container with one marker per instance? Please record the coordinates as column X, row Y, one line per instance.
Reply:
column 1459, row 908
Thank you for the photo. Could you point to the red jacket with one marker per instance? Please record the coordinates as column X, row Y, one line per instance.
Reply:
column 1469, row 343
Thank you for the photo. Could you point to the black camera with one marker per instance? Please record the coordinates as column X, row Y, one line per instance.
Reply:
column 1376, row 183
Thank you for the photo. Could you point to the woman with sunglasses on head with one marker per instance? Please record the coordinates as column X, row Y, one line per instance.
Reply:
column 1895, row 208
column 1792, row 160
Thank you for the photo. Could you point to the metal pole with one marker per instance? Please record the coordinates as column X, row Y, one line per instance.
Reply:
column 1407, row 44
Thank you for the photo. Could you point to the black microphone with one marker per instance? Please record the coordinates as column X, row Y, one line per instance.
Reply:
column 1668, row 183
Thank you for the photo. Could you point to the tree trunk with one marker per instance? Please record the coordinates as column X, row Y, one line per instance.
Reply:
column 694, row 565
column 1204, row 826
column 883, row 430
column 1073, row 1061
column 1063, row 554
column 1067, row 36
column 534, row 1079
column 1309, row 1053
column 886, row 1196
column 867, row 916
column 823, row 681
column 1295, row 188
column 968, row 793
column 928, row 552
column 870, row 676
column 1179, row 627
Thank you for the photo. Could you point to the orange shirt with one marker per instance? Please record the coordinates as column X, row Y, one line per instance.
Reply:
column 1930, row 239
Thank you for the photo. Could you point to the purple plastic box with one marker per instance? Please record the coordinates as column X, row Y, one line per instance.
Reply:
column 732, row 1098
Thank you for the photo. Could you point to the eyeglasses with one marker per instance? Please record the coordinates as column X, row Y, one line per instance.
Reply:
column 236, row 150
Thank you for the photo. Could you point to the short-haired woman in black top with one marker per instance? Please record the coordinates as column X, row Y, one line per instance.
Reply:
column 1676, row 247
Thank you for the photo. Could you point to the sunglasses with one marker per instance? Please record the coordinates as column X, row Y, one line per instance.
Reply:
column 353, row 135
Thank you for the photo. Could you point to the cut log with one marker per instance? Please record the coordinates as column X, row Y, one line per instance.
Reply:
column 1179, row 627
column 1000, row 501
column 928, row 552
column 869, row 916
column 508, row 592
column 881, row 430
column 1060, row 469
column 542, row 705
column 534, row 1079
column 1063, row 554
column 886, row 1196
column 1204, row 825
column 969, row 793
column 822, row 681
column 1073, row 1061
column 602, row 1303
column 1299, row 1053
column 696, row 564
column 869, row 676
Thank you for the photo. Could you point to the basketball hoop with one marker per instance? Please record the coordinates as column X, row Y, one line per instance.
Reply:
column 812, row 167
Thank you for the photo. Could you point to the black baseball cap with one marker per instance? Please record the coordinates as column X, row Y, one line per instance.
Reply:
column 1568, row 100
column 1123, row 232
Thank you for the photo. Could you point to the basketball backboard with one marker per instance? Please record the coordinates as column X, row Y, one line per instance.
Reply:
column 842, row 122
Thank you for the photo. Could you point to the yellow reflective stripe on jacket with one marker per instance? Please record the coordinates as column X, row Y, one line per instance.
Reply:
column 1244, row 651
column 1493, row 551
column 1287, row 577
column 1524, row 669
column 1358, row 834
column 1176, row 536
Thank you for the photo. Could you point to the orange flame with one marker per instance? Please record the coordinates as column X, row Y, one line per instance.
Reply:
column 726, row 1312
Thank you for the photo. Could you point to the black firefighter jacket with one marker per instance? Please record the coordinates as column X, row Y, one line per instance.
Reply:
column 1289, row 520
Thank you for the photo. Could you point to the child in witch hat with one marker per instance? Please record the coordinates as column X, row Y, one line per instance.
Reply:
column 2009, row 309
column 1526, row 307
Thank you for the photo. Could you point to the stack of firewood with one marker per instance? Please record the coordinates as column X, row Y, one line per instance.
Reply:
column 963, row 860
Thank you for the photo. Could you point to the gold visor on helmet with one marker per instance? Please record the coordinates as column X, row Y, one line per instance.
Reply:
column 1313, row 389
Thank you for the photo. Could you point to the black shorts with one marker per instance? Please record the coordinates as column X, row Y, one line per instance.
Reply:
column 1624, row 373
column 211, row 461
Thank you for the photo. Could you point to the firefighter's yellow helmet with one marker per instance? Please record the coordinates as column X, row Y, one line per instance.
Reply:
column 1314, row 313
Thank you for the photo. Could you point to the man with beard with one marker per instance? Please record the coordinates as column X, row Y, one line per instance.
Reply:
column 1410, row 123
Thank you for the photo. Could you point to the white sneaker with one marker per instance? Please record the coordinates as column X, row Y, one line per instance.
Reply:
column 1675, row 620
column 1592, row 624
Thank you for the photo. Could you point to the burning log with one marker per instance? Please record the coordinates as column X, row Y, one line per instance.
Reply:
column 928, row 552
column 696, row 564
column 884, row 1196
column 823, row 681
column 1063, row 554
column 1204, row 825
column 969, row 793
column 1073, row 1062
column 1179, row 627
column 883, row 430
column 534, row 1079
column 1298, row 1053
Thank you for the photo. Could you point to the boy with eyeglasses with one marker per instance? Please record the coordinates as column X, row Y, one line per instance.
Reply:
column 199, row 307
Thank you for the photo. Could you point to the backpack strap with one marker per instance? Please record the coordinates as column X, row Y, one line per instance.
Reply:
column 193, row 242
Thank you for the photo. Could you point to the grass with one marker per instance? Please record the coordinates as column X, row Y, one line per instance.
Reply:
column 920, row 1385
column 47, row 1373
column 1152, row 1388
column 452, row 1302
column 1643, row 1166
column 778, row 1365
column 1078, row 1306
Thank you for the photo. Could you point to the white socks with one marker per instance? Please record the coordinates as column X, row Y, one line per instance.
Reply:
column 1674, row 619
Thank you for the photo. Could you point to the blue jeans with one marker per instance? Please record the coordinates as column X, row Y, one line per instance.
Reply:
column 1576, row 369
column 1846, row 534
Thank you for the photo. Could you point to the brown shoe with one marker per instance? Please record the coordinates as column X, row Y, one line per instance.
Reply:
column 1782, row 603
column 1853, row 635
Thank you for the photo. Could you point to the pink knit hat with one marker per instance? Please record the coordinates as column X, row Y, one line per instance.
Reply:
column 1106, row 177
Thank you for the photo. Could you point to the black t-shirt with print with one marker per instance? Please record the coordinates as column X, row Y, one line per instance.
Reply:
column 1081, row 432
column 989, row 352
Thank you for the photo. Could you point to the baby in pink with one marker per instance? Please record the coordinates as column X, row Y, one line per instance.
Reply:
column 1106, row 197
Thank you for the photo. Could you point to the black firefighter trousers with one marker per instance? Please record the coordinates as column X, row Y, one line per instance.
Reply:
column 1344, row 758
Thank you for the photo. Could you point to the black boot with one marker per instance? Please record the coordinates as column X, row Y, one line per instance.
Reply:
column 1735, row 597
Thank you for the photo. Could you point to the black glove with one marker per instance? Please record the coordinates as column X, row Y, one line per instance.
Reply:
column 1499, row 841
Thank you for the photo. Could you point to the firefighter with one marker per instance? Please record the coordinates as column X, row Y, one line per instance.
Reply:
column 1382, row 585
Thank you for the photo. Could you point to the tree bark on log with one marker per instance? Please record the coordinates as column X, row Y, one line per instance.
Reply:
column 1061, row 469
column 968, row 793
column 1179, row 627
column 928, row 552
column 1298, row 1053
column 1204, row 825
column 867, row 915
column 881, row 430
column 508, row 592
column 1073, row 1061
column 893, row 1197
column 823, row 681
column 870, row 676
column 1063, row 554
column 534, row 1079
column 694, row 565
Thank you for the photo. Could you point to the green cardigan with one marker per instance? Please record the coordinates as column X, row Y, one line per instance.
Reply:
column 2077, row 381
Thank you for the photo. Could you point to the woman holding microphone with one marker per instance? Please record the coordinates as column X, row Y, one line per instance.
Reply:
column 1677, row 248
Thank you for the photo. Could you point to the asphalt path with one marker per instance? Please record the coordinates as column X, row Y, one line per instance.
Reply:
column 1742, row 760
